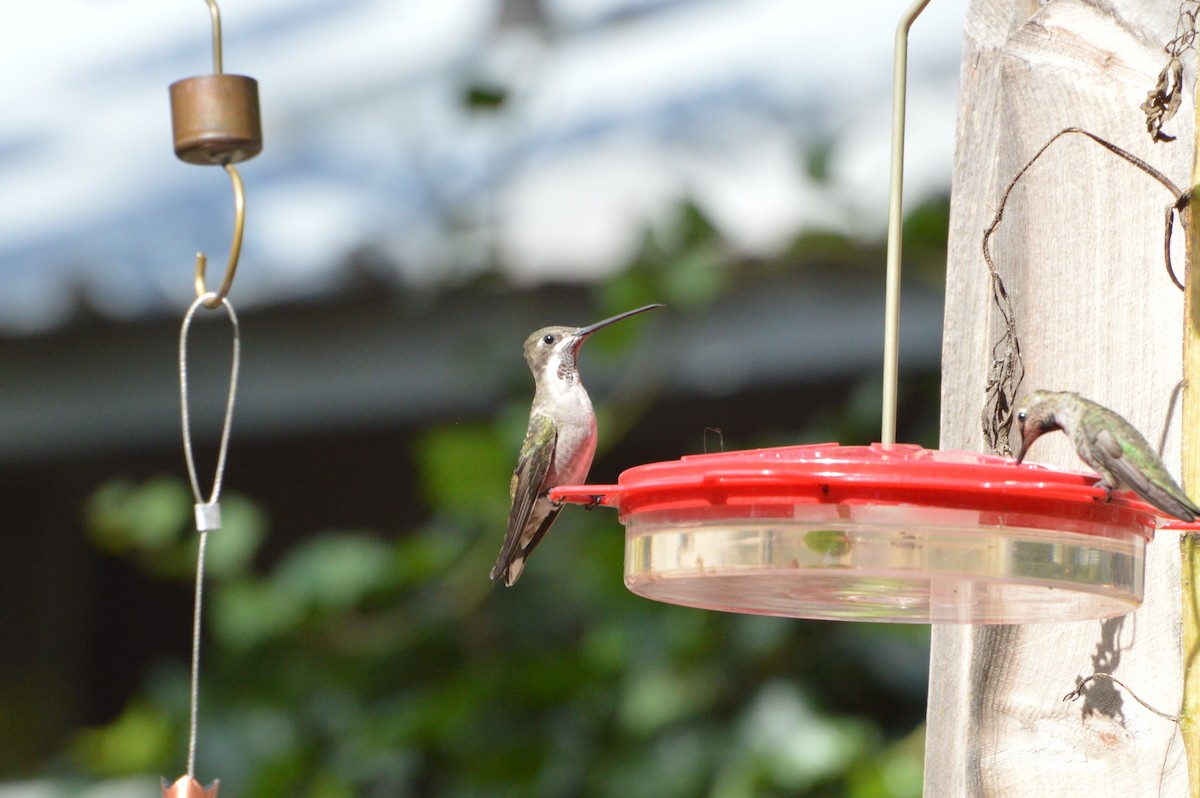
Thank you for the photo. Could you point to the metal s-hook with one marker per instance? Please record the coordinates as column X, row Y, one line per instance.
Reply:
column 215, row 119
column 214, row 299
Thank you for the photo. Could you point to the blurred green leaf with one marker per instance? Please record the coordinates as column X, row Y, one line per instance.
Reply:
column 485, row 97
column 140, row 740
column 606, row 647
column 329, row 786
column 897, row 772
column 818, row 160
column 631, row 289
column 831, row 542
column 926, row 230
column 655, row 699
column 465, row 471
column 248, row 614
column 426, row 554
column 695, row 278
column 231, row 549
column 335, row 571
column 793, row 746
column 123, row 516
column 153, row 521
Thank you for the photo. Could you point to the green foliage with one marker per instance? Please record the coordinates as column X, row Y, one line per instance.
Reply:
column 458, row 466
column 818, row 161
column 384, row 663
column 485, row 96
column 135, row 742
column 359, row 665
column 685, row 266
column 926, row 229
column 151, row 522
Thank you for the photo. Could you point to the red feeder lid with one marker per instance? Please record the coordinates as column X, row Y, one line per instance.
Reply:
column 823, row 531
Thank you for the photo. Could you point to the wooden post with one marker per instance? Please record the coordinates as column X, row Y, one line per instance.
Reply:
column 1189, row 549
column 1189, row 545
column 1080, row 251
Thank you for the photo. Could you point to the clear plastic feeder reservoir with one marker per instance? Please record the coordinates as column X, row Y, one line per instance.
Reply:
column 875, row 533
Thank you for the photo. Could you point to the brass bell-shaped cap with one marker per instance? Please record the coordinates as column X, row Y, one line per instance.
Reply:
column 215, row 119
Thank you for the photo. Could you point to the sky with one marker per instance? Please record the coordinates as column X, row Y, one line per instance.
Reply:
column 618, row 111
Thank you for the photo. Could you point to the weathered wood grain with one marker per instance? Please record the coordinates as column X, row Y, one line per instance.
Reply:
column 1080, row 250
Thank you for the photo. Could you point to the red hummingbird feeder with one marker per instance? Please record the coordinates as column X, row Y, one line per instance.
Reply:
column 886, row 532
column 877, row 533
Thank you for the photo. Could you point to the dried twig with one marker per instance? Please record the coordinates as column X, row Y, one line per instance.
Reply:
column 1007, row 370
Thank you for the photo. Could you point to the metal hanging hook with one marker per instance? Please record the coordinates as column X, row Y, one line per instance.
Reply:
column 216, row 33
column 891, row 323
column 214, row 299
column 216, row 121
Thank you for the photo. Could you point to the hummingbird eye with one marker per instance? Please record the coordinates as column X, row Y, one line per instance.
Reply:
column 547, row 339
column 1021, row 415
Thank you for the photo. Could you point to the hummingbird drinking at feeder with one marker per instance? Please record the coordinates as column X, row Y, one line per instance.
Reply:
column 559, row 445
column 1107, row 443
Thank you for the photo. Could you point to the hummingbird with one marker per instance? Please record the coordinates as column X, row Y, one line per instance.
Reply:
column 1107, row 443
column 559, row 445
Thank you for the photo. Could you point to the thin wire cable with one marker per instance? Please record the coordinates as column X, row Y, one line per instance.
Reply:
column 194, row 702
column 183, row 398
column 206, row 518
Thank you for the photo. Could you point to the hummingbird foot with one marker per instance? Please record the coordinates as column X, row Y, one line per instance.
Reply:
column 594, row 503
column 1108, row 489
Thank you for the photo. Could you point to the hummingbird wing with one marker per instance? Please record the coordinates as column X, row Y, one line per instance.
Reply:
column 1149, row 479
column 525, row 527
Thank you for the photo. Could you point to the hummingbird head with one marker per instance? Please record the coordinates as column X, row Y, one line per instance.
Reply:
column 551, row 350
column 555, row 350
column 1037, row 416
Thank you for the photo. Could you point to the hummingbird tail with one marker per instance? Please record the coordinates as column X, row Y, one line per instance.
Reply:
column 515, row 550
column 1180, row 507
column 509, row 572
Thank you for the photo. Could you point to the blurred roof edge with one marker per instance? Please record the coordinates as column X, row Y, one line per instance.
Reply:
column 380, row 357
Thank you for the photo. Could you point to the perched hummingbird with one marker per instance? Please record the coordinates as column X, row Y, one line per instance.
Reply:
column 559, row 445
column 1107, row 443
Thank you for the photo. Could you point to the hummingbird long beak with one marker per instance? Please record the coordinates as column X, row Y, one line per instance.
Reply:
column 584, row 332
column 1027, row 439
